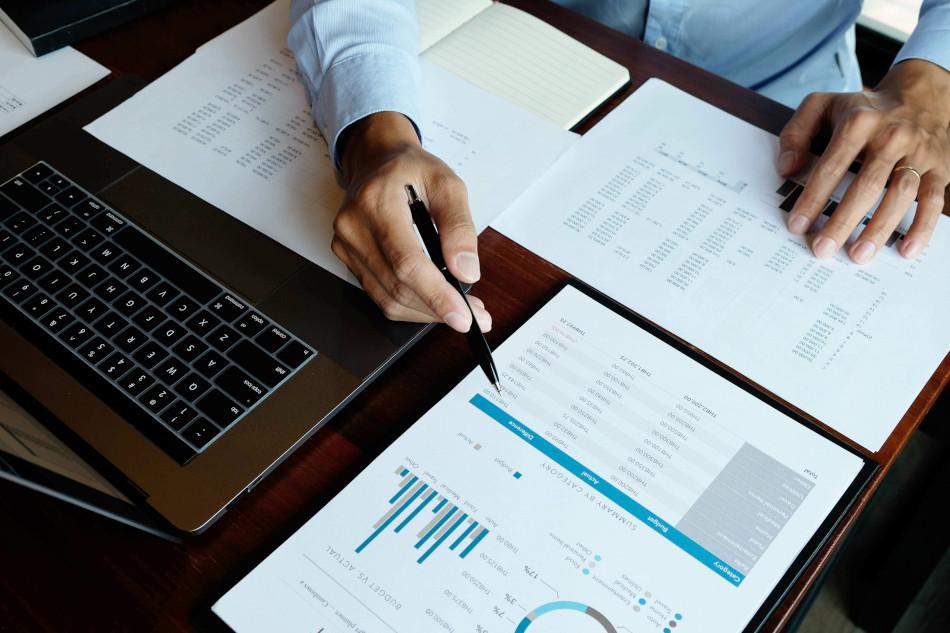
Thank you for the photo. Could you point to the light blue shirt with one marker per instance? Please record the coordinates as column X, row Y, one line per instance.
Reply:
column 359, row 57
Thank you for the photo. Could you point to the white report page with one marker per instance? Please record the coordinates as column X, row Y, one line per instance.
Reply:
column 616, row 485
column 674, row 208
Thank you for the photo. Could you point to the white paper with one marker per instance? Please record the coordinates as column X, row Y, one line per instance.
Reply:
column 30, row 86
column 670, row 206
column 231, row 124
column 620, row 486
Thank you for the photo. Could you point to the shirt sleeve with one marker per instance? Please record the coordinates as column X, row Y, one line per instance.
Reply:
column 931, row 39
column 356, row 58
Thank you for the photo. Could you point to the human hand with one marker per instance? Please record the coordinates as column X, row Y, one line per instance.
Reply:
column 901, row 124
column 374, row 235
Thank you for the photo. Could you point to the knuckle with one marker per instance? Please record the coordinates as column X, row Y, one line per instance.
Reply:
column 390, row 307
column 402, row 293
column 344, row 223
column 861, row 119
column 831, row 168
column 837, row 227
column 406, row 267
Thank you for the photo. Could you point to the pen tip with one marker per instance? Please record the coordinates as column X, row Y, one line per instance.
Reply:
column 498, row 389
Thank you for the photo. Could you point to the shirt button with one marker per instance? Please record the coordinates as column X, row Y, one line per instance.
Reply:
column 660, row 43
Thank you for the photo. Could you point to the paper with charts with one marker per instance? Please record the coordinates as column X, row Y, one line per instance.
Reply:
column 231, row 125
column 617, row 486
column 674, row 208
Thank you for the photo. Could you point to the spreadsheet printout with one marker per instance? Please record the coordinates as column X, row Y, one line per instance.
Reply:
column 615, row 485
column 674, row 208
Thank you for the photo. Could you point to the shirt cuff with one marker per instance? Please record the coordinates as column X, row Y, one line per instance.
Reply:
column 930, row 40
column 365, row 84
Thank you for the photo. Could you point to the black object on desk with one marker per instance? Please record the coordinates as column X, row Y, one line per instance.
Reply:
column 430, row 238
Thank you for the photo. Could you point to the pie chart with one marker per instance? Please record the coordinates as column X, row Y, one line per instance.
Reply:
column 553, row 607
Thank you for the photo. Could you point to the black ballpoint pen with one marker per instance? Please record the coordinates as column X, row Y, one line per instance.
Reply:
column 430, row 239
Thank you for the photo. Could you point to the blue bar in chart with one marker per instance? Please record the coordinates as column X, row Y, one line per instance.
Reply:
column 442, row 522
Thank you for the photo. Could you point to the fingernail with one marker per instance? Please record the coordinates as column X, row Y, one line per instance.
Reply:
column 863, row 252
column 484, row 320
column 798, row 224
column 786, row 161
column 457, row 322
column 467, row 264
column 824, row 247
column 912, row 248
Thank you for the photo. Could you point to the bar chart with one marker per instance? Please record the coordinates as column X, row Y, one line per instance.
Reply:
column 443, row 524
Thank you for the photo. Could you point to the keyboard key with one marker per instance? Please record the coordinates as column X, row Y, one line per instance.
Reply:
column 49, row 188
column 36, row 267
column 20, row 222
column 150, row 354
column 87, row 239
column 227, row 308
column 57, row 320
column 200, row 432
column 37, row 236
column 91, row 276
column 110, row 289
column 106, row 253
column 178, row 414
column 169, row 333
column 123, row 266
column 202, row 323
column 91, row 310
column 110, row 325
column 130, row 339
column 7, row 239
column 76, row 334
column 272, row 339
column 96, row 350
column 7, row 274
column 258, row 363
column 136, row 381
column 25, row 194
column 70, row 196
column 88, row 209
column 38, row 305
column 157, row 398
column 294, row 354
column 107, row 223
column 51, row 214
column 70, row 227
column 38, row 173
column 219, row 408
column 54, row 281
column 190, row 348
column 191, row 387
column 55, row 248
column 73, row 262
column 250, row 324
column 17, row 254
column 72, row 296
column 210, row 364
column 19, row 291
column 223, row 338
column 128, row 304
column 244, row 389
column 143, row 280
column 182, row 308
column 171, row 371
column 59, row 181
column 162, row 293
column 148, row 318
column 166, row 264
column 115, row 366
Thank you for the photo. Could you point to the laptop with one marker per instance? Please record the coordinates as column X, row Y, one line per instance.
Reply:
column 158, row 358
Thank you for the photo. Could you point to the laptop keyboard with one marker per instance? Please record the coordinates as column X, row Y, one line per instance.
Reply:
column 177, row 354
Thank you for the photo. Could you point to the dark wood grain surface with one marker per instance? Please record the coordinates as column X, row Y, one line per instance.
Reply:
column 62, row 569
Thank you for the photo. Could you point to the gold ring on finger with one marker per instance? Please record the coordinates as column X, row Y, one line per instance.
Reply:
column 907, row 168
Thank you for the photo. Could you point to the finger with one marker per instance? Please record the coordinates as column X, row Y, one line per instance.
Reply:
column 448, row 205
column 795, row 139
column 408, row 270
column 391, row 308
column 847, row 141
column 481, row 314
column 931, row 198
column 898, row 198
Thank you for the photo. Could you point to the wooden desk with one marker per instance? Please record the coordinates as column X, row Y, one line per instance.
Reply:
column 62, row 569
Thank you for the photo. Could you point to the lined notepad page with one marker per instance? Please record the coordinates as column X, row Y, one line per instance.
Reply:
column 529, row 63
column 438, row 18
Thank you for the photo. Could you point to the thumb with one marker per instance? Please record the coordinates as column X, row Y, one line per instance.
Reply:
column 795, row 139
column 448, row 205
